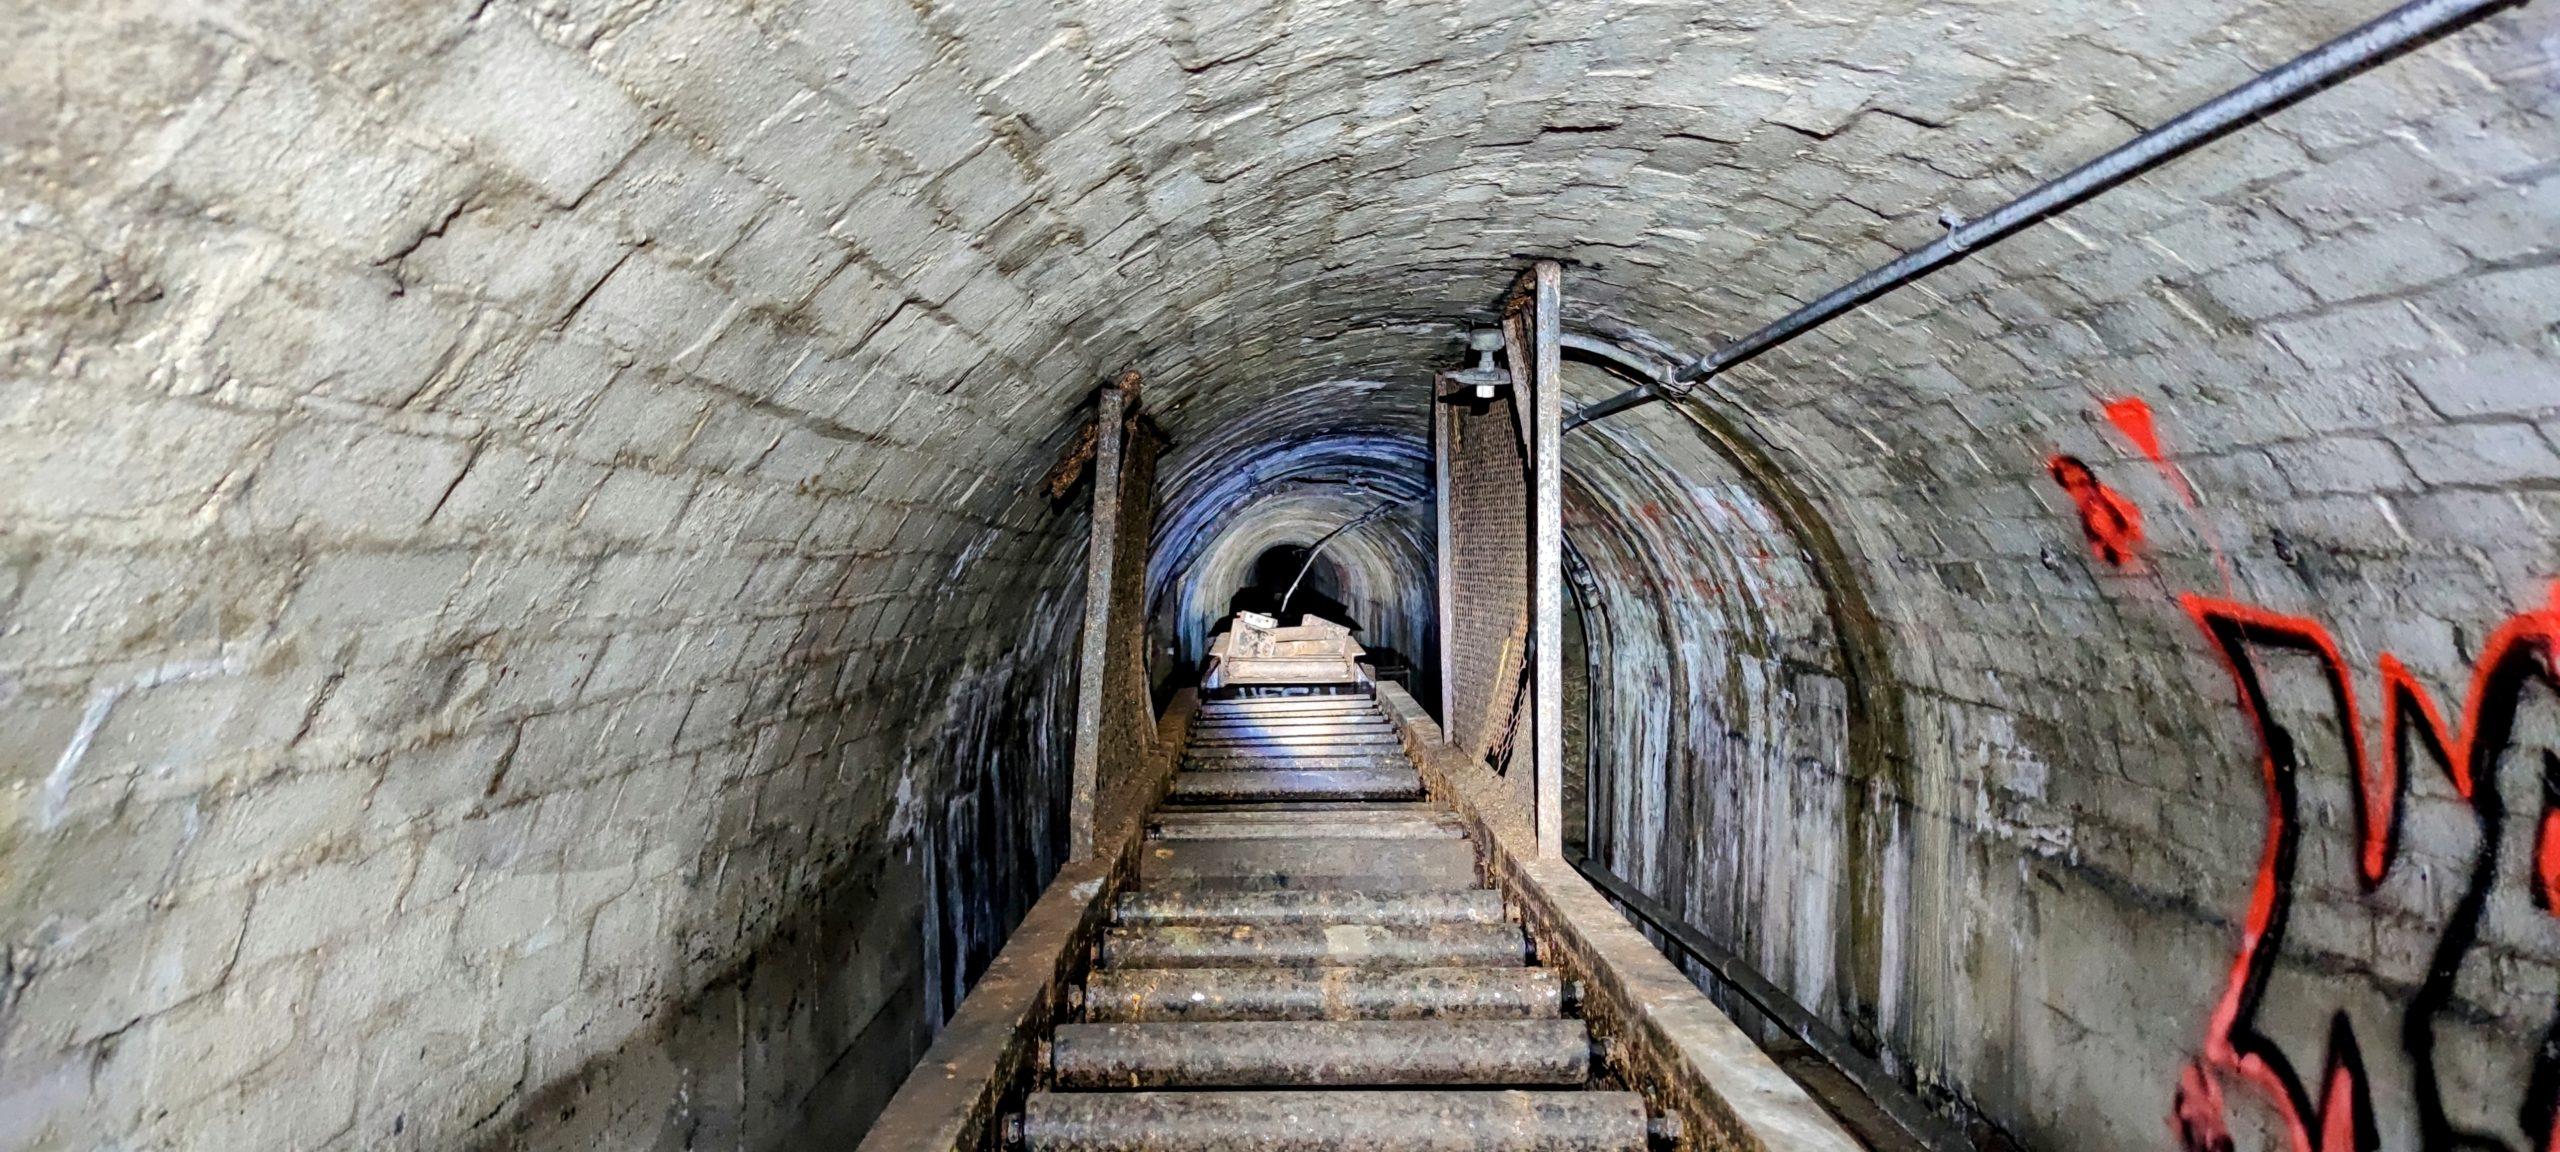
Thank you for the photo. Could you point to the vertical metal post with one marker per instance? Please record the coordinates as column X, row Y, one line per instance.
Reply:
column 1093, row 671
column 1546, row 557
column 1442, row 424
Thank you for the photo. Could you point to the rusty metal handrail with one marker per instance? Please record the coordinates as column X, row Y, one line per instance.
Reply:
column 1880, row 1086
column 2395, row 32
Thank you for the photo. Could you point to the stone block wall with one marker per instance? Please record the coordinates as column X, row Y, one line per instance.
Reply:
column 508, row 505
column 505, row 638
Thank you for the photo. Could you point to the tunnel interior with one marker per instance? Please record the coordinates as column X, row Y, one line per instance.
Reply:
column 1289, row 581
column 543, row 629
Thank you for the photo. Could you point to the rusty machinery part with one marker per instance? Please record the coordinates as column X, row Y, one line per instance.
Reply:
column 1173, row 995
column 1336, row 1121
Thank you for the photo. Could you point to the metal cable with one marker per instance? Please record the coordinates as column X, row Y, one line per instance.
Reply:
column 2402, row 29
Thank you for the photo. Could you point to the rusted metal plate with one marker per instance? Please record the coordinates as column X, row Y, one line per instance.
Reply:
column 1147, row 909
column 1337, row 1121
column 1463, row 993
column 1318, row 946
column 1312, row 862
column 1321, row 1054
column 1399, row 783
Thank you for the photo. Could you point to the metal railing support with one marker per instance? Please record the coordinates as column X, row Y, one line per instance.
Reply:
column 2402, row 29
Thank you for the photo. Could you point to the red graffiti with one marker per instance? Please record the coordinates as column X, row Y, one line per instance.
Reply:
column 2197, row 1113
column 2520, row 654
column 2546, row 862
column 2132, row 416
column 2112, row 524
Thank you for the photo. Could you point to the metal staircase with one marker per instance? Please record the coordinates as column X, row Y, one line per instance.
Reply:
column 1309, row 958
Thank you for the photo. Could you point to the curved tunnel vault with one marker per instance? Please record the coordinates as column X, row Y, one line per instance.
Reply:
column 507, row 610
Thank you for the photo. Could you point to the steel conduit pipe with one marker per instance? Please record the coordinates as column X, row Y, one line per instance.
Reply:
column 2402, row 29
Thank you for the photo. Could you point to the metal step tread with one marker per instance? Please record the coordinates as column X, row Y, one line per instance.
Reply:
column 1120, row 995
column 1245, row 909
column 1295, row 763
column 1443, row 1120
column 1230, row 785
column 1321, row 1053
column 1313, row 860
column 1446, row 945
column 1293, row 830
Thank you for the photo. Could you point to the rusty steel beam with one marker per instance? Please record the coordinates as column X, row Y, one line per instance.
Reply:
column 1261, row 909
column 1313, row 946
column 1085, row 787
column 1307, row 1121
column 1133, row 995
column 1546, row 557
column 1321, row 1054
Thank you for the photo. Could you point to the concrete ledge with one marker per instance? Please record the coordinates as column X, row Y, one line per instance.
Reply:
column 976, row 1066
column 1689, row 1058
